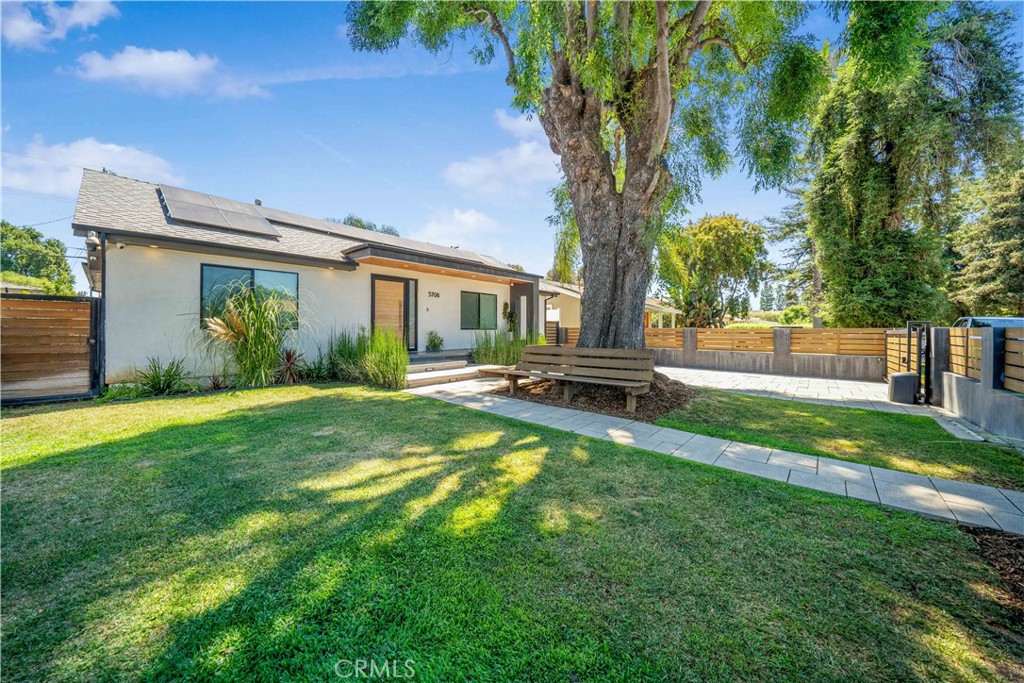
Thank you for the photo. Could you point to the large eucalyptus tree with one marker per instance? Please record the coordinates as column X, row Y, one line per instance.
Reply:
column 640, row 99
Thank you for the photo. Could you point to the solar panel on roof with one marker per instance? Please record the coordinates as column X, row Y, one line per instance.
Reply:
column 248, row 223
column 179, row 195
column 204, row 209
column 232, row 205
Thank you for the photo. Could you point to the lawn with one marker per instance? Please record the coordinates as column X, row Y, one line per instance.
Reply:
column 270, row 534
column 903, row 442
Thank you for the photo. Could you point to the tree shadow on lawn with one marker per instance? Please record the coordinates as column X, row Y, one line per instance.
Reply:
column 478, row 547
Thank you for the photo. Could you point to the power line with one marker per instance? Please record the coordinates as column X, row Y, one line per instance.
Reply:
column 37, row 195
column 55, row 220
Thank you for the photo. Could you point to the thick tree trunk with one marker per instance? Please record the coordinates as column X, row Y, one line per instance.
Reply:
column 614, row 223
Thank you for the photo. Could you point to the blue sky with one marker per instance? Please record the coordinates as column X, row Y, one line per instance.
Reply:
column 267, row 100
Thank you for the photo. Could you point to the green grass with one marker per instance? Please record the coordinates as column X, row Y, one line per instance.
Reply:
column 264, row 535
column 903, row 442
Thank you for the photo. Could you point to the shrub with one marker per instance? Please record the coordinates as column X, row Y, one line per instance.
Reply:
column 384, row 359
column 252, row 327
column 121, row 392
column 343, row 355
column 502, row 348
column 290, row 366
column 435, row 342
column 795, row 315
column 157, row 379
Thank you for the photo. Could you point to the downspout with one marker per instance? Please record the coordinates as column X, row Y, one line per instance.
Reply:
column 101, row 344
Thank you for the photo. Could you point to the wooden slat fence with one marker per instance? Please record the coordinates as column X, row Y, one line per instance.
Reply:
column 664, row 337
column 572, row 335
column 965, row 351
column 734, row 340
column 1013, row 359
column 48, row 348
column 551, row 331
column 896, row 352
column 842, row 342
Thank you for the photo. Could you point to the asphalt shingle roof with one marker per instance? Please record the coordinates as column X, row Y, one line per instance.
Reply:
column 113, row 203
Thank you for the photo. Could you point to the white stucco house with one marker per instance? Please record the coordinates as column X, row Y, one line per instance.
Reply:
column 157, row 253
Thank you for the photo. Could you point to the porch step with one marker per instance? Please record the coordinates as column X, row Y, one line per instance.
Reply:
column 425, row 365
column 422, row 379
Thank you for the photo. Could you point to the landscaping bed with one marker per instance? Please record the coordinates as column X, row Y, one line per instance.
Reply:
column 665, row 396
column 269, row 534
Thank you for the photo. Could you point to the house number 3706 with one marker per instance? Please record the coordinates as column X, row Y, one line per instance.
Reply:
column 433, row 295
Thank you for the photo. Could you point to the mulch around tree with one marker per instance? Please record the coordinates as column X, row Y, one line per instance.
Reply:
column 666, row 395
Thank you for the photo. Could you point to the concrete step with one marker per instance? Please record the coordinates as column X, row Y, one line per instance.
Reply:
column 430, row 366
column 423, row 379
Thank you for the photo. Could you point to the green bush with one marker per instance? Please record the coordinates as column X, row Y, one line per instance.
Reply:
column 435, row 342
column 795, row 315
column 251, row 327
column 157, row 379
column 502, row 348
column 379, row 358
column 121, row 392
column 384, row 359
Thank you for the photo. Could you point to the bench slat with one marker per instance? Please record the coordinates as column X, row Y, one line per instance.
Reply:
column 578, row 371
column 572, row 378
column 551, row 350
column 617, row 363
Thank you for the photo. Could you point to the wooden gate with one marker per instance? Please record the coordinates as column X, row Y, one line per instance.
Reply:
column 49, row 347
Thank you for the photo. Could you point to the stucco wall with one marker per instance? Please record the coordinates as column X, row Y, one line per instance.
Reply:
column 152, row 306
column 568, row 310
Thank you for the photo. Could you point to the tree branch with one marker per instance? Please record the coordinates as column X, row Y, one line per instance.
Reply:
column 663, row 84
column 593, row 6
column 724, row 42
column 623, row 17
column 489, row 19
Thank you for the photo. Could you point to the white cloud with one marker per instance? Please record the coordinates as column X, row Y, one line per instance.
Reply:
column 510, row 172
column 457, row 227
column 32, row 25
column 57, row 169
column 165, row 72
column 522, row 127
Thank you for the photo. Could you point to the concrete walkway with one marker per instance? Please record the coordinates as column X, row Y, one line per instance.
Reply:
column 944, row 499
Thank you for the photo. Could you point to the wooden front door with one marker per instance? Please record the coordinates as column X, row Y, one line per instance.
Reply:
column 394, row 301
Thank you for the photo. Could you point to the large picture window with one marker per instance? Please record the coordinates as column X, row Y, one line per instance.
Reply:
column 219, row 283
column 479, row 311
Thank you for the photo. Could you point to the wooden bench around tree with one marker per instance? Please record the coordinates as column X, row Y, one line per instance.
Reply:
column 631, row 369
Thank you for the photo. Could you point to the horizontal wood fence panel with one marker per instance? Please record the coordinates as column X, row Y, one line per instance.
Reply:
column 735, row 340
column 897, row 352
column 1013, row 359
column 842, row 342
column 551, row 331
column 965, row 352
column 572, row 335
column 47, row 347
column 663, row 337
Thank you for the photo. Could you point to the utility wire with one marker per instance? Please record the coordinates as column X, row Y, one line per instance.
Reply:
column 55, row 220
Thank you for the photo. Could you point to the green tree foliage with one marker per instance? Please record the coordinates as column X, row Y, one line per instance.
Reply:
column 707, row 268
column 800, row 267
column 662, row 86
column 795, row 315
column 888, row 152
column 768, row 297
column 990, row 249
column 567, row 266
column 25, row 251
column 357, row 222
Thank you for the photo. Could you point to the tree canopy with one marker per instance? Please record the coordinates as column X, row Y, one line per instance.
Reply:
column 357, row 222
column 707, row 268
column 990, row 249
column 888, row 154
column 25, row 251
